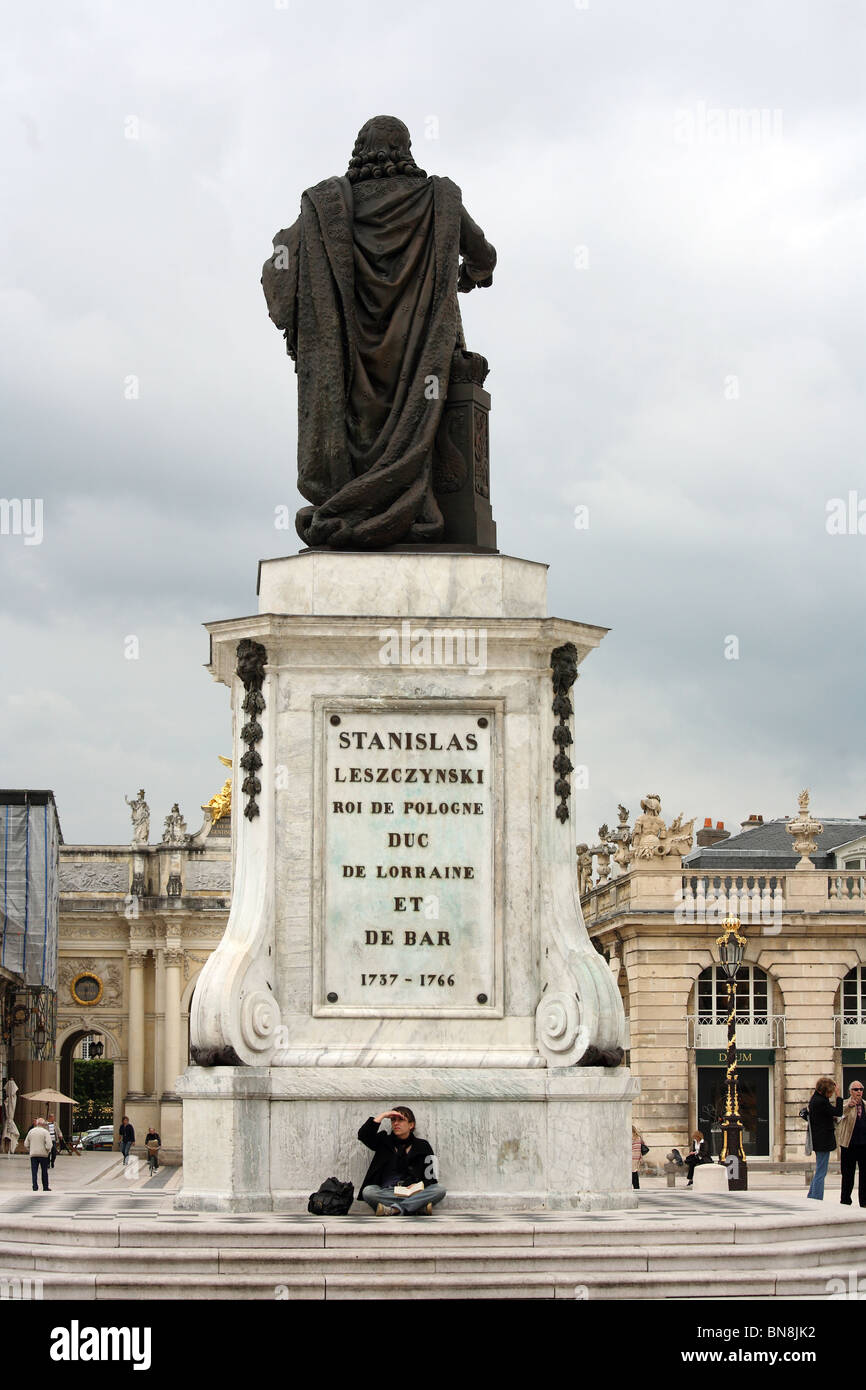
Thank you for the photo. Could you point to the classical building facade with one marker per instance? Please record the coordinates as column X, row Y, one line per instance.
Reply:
column 798, row 887
column 137, row 923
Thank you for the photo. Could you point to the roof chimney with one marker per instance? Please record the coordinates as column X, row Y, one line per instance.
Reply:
column 708, row 836
column 751, row 822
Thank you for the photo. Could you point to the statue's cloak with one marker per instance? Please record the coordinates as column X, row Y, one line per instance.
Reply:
column 364, row 286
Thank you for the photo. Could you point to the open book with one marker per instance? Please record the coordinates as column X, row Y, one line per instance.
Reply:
column 407, row 1191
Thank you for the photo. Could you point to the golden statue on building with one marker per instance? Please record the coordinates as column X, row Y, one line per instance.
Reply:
column 220, row 805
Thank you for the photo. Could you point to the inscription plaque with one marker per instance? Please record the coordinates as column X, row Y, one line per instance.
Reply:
column 407, row 910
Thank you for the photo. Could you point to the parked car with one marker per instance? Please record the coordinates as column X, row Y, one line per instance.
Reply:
column 101, row 1138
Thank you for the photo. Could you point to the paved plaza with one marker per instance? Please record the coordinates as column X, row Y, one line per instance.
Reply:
column 99, row 1183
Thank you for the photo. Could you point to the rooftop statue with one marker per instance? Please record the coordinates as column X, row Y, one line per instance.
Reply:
column 652, row 839
column 140, row 812
column 364, row 288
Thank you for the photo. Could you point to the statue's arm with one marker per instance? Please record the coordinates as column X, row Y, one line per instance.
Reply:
column 280, row 284
column 479, row 257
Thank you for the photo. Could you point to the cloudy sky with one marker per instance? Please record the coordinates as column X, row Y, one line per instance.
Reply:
column 675, row 334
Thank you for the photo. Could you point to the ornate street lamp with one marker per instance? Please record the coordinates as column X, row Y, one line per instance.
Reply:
column 731, row 950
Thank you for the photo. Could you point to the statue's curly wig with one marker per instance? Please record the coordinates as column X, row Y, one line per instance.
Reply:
column 382, row 151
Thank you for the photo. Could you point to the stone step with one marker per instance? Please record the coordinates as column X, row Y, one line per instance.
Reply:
column 732, row 1283
column 167, row 1256
column 700, row 1260
column 427, row 1233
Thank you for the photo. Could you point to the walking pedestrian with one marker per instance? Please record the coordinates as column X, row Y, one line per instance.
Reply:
column 127, row 1138
column 38, row 1145
column 825, row 1106
column 852, row 1144
column 54, row 1131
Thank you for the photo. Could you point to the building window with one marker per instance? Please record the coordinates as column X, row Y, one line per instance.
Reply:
column 752, row 995
column 854, row 996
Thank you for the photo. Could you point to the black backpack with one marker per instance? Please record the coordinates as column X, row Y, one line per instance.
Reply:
column 334, row 1198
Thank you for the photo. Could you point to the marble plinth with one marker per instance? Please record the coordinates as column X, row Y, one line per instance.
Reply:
column 259, row 1139
column 422, row 584
column 405, row 918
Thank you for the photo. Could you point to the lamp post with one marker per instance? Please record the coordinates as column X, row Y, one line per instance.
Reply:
column 731, row 949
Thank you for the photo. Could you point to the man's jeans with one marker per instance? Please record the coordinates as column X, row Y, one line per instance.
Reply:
column 816, row 1187
column 35, row 1165
column 407, row 1205
column 125, row 1146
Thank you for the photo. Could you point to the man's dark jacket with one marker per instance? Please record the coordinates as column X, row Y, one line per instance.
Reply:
column 821, row 1112
column 387, row 1148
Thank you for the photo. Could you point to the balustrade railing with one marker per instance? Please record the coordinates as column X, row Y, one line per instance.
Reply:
column 849, row 1030
column 604, row 897
column 846, row 886
column 751, row 897
column 756, row 1030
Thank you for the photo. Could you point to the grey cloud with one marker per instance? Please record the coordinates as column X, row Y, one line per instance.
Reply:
column 140, row 257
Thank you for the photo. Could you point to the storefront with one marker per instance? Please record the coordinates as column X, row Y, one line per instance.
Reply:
column 755, row 1092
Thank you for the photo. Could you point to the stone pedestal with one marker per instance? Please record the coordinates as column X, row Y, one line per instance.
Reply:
column 405, row 925
column 464, row 434
column 260, row 1138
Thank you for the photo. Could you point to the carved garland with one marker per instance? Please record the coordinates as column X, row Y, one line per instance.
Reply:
column 251, row 669
column 563, row 660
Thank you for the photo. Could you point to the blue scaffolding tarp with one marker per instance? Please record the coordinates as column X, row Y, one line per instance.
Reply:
column 30, row 841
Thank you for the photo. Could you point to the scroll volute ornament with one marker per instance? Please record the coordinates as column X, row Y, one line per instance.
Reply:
column 579, row 1019
column 235, row 1017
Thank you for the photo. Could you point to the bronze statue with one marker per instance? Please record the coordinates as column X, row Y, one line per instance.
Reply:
column 364, row 288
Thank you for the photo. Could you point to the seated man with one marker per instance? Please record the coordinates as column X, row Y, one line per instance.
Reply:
column 401, row 1180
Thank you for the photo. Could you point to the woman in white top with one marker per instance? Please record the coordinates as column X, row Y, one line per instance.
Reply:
column 698, row 1153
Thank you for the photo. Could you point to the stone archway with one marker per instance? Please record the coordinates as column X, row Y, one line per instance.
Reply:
column 67, row 1041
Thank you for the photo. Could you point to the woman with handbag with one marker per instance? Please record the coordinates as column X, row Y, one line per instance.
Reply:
column 638, row 1149
column 824, row 1108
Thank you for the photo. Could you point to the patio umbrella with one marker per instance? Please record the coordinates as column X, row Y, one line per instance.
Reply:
column 49, row 1097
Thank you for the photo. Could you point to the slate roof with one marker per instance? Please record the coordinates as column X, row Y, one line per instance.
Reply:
column 770, row 845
